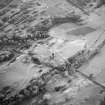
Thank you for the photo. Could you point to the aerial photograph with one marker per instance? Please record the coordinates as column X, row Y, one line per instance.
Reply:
column 52, row 52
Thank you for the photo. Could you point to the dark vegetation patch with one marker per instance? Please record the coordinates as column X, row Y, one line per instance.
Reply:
column 4, row 3
column 81, row 31
column 6, row 56
column 71, row 19
column 34, row 89
column 102, row 102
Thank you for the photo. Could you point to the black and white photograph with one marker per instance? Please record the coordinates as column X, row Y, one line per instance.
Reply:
column 52, row 52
